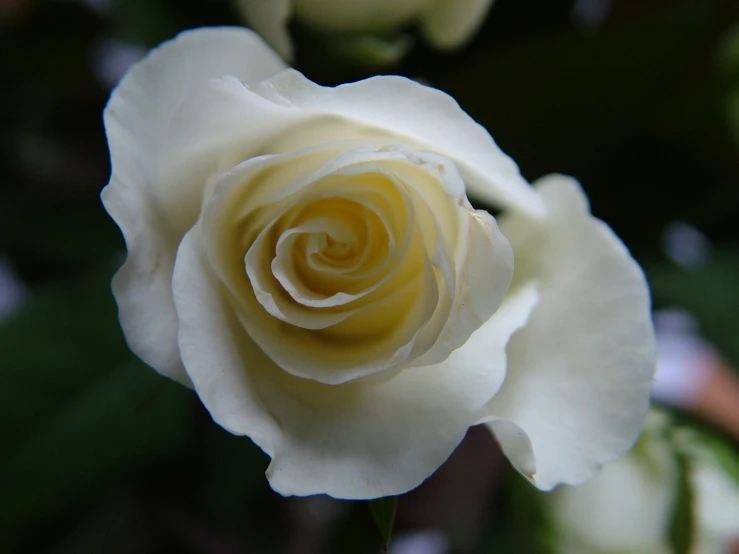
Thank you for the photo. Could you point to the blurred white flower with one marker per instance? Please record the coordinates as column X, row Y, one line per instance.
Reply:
column 447, row 24
column 627, row 508
column 716, row 492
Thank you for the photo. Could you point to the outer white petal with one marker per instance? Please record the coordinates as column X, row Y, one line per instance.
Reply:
column 137, row 120
column 403, row 109
column 213, row 348
column 579, row 373
column 226, row 122
column 269, row 18
column 358, row 440
column 451, row 23
column 379, row 439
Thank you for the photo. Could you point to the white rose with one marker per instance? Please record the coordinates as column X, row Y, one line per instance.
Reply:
column 306, row 259
column 716, row 499
column 627, row 508
column 446, row 24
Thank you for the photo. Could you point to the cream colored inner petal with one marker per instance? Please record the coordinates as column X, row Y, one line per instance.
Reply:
column 379, row 332
column 438, row 184
column 325, row 261
column 349, row 271
column 315, row 295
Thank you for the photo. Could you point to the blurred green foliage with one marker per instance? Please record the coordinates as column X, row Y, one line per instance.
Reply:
column 383, row 512
column 102, row 455
column 682, row 527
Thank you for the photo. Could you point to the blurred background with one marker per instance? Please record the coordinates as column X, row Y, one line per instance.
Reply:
column 639, row 99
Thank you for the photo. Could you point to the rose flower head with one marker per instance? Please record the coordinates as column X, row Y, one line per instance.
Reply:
column 306, row 259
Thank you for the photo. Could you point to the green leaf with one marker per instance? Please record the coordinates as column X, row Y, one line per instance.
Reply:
column 728, row 55
column 61, row 234
column 59, row 341
column 707, row 446
column 120, row 423
column 383, row 511
column 233, row 483
column 146, row 22
column 78, row 411
column 522, row 523
column 682, row 524
column 725, row 456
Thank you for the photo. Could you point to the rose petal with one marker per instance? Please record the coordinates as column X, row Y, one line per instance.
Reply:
column 385, row 438
column 579, row 373
column 374, row 338
column 486, row 265
column 137, row 120
column 389, row 324
column 451, row 24
column 215, row 350
column 427, row 117
column 230, row 122
column 358, row 440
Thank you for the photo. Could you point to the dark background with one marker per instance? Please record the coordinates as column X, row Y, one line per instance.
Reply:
column 101, row 455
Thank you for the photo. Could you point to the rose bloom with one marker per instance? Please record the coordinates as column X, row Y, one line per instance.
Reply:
column 447, row 24
column 627, row 508
column 306, row 259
